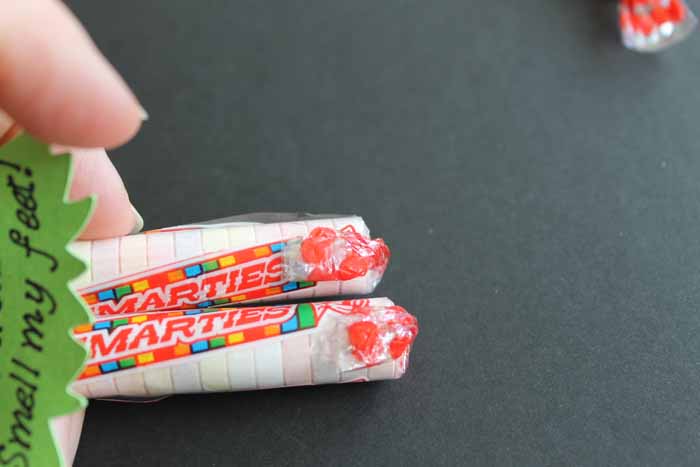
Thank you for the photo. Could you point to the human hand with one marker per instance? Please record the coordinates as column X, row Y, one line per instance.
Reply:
column 56, row 85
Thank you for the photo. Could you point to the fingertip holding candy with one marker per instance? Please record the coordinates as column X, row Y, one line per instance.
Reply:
column 653, row 25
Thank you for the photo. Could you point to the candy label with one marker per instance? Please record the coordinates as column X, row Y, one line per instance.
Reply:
column 205, row 281
column 141, row 340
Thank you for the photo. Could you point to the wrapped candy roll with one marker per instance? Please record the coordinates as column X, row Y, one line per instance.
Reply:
column 223, row 263
column 238, row 349
column 652, row 25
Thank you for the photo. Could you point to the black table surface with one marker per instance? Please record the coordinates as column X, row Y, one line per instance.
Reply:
column 539, row 187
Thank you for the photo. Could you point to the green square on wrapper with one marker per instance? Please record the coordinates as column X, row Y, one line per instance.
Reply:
column 307, row 318
column 124, row 290
column 127, row 363
column 217, row 342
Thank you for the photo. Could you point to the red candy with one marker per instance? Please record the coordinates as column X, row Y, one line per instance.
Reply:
column 643, row 23
column 625, row 19
column 398, row 345
column 376, row 338
column 363, row 337
column 323, row 233
column 381, row 255
column 342, row 255
column 317, row 275
column 660, row 15
column 676, row 10
column 649, row 25
column 316, row 251
column 317, row 247
column 353, row 266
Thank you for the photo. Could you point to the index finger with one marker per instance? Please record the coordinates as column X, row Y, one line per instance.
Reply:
column 56, row 84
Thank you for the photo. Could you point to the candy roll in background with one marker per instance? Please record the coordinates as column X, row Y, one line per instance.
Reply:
column 218, row 350
column 653, row 25
column 143, row 272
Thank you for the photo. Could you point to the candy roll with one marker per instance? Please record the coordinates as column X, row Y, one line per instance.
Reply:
column 240, row 349
column 652, row 25
column 221, row 264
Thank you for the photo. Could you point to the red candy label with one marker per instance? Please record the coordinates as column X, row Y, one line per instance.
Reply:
column 141, row 340
column 209, row 280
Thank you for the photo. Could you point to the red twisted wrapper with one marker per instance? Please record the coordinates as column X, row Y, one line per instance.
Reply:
column 651, row 25
column 376, row 338
column 342, row 255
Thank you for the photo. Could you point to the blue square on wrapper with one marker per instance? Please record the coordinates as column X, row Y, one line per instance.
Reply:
column 205, row 304
column 193, row 271
column 277, row 247
column 200, row 346
column 102, row 325
column 291, row 325
column 110, row 366
column 106, row 295
column 193, row 312
column 290, row 286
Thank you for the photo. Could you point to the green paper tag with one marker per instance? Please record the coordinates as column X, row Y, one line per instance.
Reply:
column 38, row 357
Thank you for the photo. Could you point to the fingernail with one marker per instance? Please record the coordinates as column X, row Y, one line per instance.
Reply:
column 8, row 128
column 144, row 114
column 138, row 221
column 10, row 134
column 5, row 122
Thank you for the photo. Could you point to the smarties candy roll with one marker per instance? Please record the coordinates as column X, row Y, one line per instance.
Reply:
column 221, row 264
column 240, row 349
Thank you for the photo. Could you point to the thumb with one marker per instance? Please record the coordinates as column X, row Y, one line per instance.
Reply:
column 66, row 430
column 94, row 174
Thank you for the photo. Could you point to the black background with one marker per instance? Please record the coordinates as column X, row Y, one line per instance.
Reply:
column 537, row 183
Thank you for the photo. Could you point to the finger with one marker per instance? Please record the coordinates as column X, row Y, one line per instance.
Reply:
column 55, row 83
column 94, row 174
column 5, row 123
column 67, row 430
column 8, row 128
